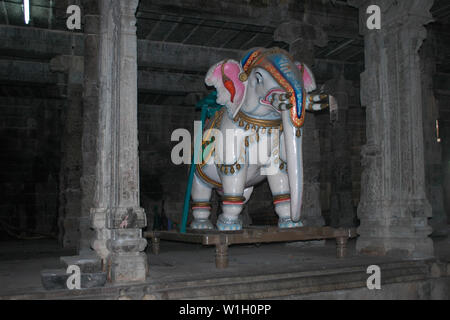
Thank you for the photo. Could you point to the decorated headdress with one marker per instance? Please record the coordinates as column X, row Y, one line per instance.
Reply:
column 229, row 77
column 294, row 78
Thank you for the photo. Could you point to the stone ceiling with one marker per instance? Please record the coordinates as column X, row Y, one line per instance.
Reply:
column 237, row 25
column 232, row 24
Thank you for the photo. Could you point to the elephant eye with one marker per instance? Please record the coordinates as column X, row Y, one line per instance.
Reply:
column 259, row 77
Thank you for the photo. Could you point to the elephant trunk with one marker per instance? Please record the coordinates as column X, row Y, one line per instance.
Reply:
column 293, row 144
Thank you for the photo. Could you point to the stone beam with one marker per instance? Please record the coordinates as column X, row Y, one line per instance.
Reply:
column 45, row 44
column 37, row 43
column 179, row 56
column 156, row 80
column 153, row 81
column 336, row 19
column 175, row 57
column 18, row 71
column 27, row 71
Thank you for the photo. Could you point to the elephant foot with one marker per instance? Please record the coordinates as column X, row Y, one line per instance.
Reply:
column 225, row 224
column 288, row 223
column 202, row 225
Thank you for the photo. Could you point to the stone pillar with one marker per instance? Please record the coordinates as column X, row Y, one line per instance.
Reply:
column 433, row 147
column 90, row 120
column 117, row 216
column 341, row 206
column 394, row 210
column 302, row 36
column 71, row 70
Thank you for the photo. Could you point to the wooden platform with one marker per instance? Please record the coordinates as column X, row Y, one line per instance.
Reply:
column 222, row 239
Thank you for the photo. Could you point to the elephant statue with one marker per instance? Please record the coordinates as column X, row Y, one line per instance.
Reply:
column 265, row 98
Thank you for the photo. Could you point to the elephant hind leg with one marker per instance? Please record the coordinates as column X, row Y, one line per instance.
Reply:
column 201, row 205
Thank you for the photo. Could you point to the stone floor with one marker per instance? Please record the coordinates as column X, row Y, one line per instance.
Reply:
column 22, row 261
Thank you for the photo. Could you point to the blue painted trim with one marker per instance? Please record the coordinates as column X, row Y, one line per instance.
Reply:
column 244, row 60
column 291, row 79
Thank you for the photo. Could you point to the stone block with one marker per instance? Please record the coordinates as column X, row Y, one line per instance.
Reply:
column 92, row 280
column 88, row 263
column 56, row 279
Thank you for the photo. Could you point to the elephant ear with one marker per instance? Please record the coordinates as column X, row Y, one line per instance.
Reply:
column 224, row 76
column 308, row 78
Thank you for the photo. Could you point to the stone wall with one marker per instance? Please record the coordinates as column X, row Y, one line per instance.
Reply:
column 70, row 194
column 357, row 127
column 443, row 102
column 160, row 180
column 356, row 132
column 441, row 86
column 30, row 133
column 260, row 207
column 432, row 144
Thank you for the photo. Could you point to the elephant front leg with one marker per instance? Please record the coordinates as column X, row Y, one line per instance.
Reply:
column 201, row 205
column 279, row 185
column 232, row 199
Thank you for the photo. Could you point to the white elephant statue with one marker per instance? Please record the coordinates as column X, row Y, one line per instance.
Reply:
column 266, row 96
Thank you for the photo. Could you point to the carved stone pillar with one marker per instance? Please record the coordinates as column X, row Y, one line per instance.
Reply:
column 117, row 216
column 341, row 207
column 394, row 209
column 302, row 36
column 90, row 120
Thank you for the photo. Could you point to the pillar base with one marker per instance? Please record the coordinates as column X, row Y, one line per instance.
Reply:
column 400, row 247
column 128, row 267
column 399, row 229
column 121, row 249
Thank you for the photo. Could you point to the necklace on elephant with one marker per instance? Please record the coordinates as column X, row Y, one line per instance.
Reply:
column 247, row 122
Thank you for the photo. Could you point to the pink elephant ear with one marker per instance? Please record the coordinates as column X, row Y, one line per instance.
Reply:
column 224, row 76
column 308, row 78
